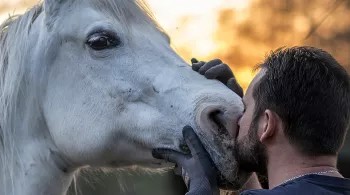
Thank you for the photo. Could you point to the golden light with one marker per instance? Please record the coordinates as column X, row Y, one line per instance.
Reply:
column 193, row 26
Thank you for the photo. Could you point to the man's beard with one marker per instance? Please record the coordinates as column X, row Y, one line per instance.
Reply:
column 250, row 153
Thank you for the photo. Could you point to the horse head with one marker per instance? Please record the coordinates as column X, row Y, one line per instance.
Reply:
column 97, row 83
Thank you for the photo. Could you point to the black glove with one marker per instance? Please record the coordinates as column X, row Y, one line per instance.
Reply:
column 198, row 167
column 215, row 69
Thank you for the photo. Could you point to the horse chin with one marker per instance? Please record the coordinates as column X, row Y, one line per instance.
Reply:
column 220, row 148
column 157, row 164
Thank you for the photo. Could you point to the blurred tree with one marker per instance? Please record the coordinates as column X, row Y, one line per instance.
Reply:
column 268, row 25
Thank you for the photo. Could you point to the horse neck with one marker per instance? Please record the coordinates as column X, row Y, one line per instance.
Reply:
column 36, row 177
column 33, row 165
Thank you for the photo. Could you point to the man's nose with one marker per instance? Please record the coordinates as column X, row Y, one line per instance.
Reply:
column 239, row 120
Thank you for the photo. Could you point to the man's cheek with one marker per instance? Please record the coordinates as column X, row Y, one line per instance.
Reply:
column 242, row 132
column 239, row 137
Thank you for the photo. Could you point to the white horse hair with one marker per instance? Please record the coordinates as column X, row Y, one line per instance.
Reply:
column 96, row 83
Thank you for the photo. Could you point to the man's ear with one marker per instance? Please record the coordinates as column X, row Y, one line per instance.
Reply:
column 269, row 125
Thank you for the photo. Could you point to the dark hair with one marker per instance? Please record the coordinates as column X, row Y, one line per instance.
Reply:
column 310, row 91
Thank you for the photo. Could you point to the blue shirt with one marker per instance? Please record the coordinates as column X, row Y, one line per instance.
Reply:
column 308, row 185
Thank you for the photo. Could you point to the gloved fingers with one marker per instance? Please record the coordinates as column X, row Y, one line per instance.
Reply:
column 170, row 155
column 222, row 72
column 193, row 142
column 181, row 172
column 194, row 60
column 185, row 177
column 209, row 65
column 234, row 86
column 196, row 66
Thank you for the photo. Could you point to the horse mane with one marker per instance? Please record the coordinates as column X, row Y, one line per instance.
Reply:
column 129, row 12
column 13, row 33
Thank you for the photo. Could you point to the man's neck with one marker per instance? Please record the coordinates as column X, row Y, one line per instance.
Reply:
column 283, row 168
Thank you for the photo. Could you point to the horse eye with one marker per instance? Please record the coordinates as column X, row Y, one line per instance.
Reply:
column 101, row 41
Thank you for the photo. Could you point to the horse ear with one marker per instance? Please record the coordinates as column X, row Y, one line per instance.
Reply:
column 51, row 7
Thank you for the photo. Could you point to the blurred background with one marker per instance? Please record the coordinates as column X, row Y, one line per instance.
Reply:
column 241, row 33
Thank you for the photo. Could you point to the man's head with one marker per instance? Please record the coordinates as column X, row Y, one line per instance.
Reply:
column 301, row 94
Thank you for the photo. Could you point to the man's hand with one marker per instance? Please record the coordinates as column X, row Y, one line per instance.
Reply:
column 215, row 69
column 198, row 166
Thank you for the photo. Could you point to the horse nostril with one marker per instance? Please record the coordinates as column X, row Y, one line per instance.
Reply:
column 217, row 118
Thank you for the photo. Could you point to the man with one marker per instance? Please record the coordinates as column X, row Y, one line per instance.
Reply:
column 297, row 113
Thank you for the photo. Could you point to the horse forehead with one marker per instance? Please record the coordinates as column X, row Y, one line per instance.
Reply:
column 80, row 21
column 85, row 16
column 122, row 9
column 85, row 13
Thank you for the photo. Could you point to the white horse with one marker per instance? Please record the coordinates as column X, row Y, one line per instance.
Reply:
column 96, row 83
